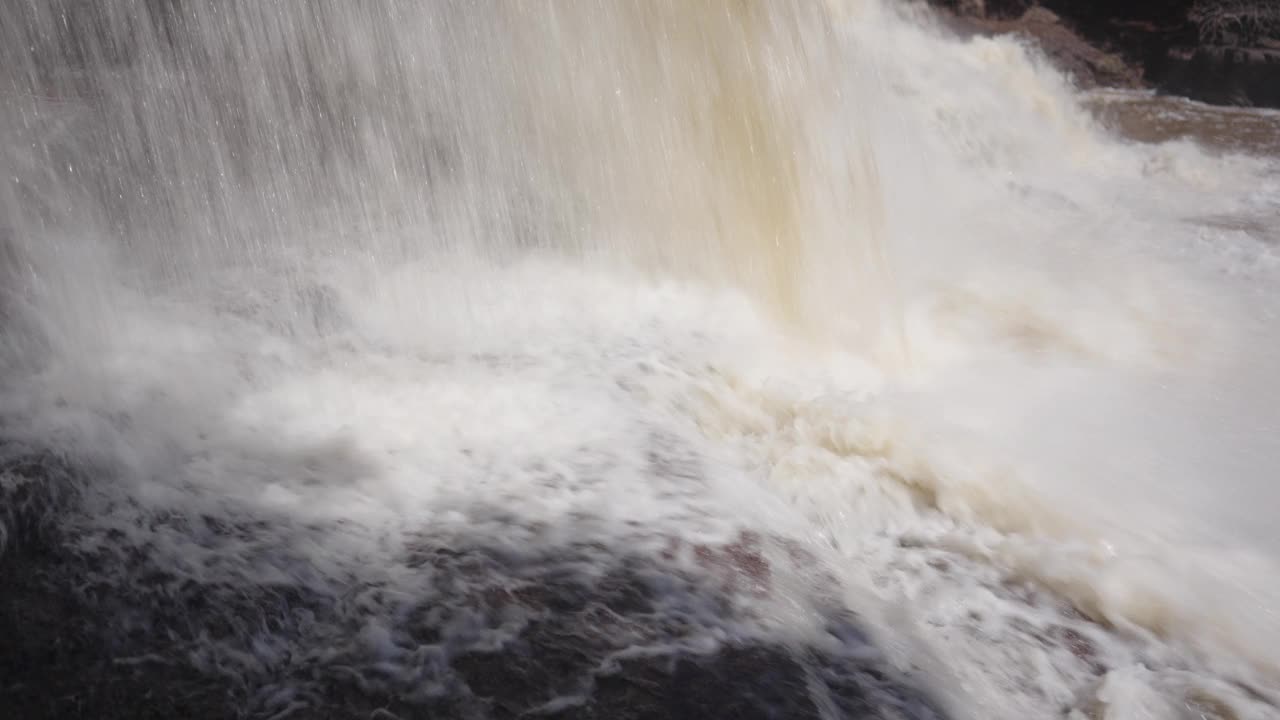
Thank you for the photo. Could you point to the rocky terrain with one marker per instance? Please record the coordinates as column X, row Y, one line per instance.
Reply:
column 578, row 647
column 1224, row 52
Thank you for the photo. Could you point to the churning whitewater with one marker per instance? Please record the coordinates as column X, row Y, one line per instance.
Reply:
column 398, row 347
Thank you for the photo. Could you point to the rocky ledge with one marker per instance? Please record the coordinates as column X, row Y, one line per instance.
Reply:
column 1225, row 75
column 494, row 631
column 1224, row 52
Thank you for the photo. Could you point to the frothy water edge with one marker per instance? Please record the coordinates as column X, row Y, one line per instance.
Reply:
column 1052, row 505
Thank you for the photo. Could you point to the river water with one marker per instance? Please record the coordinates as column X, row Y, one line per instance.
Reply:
column 299, row 290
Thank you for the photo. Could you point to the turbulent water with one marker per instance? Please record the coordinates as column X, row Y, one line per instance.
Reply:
column 374, row 312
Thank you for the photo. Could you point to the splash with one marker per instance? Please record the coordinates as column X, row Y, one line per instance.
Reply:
column 683, row 149
column 356, row 310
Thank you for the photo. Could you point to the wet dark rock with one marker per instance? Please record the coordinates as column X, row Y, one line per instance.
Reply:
column 1225, row 75
column 35, row 490
column 575, row 631
column 547, row 661
column 1224, row 52
column 1219, row 51
column 1086, row 63
column 752, row 683
column 56, row 661
column 68, row 656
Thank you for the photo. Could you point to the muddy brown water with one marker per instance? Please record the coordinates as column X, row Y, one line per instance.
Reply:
column 1151, row 118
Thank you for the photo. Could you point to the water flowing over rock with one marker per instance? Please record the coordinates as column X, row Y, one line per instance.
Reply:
column 1215, row 51
column 1225, row 75
column 629, row 359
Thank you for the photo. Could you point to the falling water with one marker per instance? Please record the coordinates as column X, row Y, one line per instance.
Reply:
column 375, row 312
column 235, row 133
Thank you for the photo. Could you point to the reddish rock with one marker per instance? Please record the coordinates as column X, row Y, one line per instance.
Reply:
column 1087, row 65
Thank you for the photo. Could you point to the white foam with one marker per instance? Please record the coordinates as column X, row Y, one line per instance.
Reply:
column 1084, row 403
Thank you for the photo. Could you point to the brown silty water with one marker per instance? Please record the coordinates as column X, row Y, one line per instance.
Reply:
column 1153, row 118
column 1150, row 118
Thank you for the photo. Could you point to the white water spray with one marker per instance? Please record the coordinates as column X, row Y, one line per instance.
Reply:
column 375, row 267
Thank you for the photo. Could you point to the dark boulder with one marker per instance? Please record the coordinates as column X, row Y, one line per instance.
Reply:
column 1086, row 63
column 1224, row 52
column 1235, row 57
column 1225, row 75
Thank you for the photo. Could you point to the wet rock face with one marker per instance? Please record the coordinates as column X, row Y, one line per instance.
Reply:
column 1225, row 75
column 989, row 9
column 1235, row 59
column 60, row 660
column 465, row 627
column 1224, row 52
column 1086, row 63
column 1236, row 23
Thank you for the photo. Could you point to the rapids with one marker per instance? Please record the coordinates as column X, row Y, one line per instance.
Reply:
column 301, row 296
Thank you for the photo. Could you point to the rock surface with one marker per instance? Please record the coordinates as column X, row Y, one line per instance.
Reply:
column 1223, row 52
column 620, row 642
column 1225, row 75
column 1086, row 63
